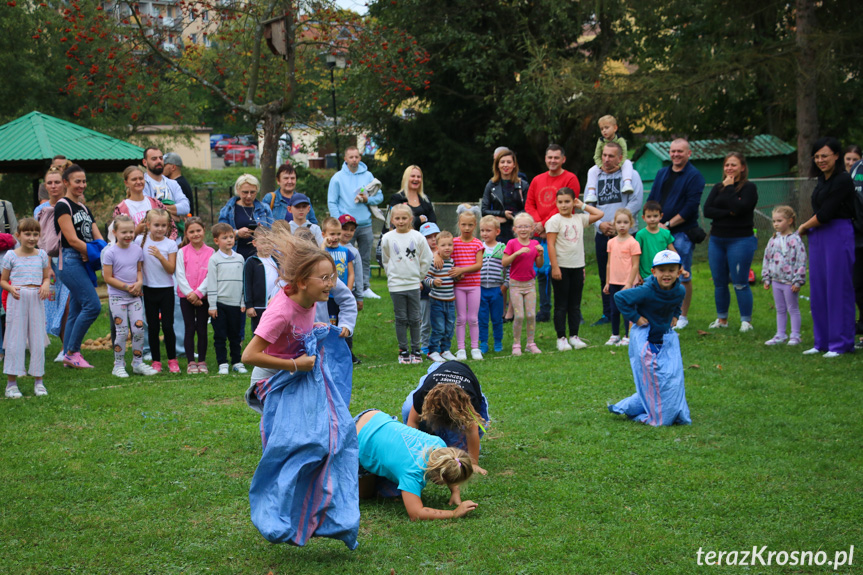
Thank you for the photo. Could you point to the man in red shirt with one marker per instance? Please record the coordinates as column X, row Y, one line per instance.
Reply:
column 541, row 203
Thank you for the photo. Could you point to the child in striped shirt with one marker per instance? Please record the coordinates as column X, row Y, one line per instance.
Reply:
column 467, row 261
column 442, row 301
column 494, row 280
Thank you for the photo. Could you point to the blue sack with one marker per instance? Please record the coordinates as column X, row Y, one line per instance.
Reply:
column 660, row 395
column 306, row 482
column 451, row 438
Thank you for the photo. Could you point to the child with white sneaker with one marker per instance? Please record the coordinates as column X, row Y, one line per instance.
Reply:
column 784, row 267
column 430, row 231
column 608, row 129
column 565, row 231
column 26, row 276
column 467, row 262
column 442, row 301
column 406, row 258
column 624, row 256
column 122, row 270
column 523, row 254
column 494, row 281
column 225, row 295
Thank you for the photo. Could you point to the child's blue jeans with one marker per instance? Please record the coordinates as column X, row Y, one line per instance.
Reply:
column 491, row 302
column 442, row 325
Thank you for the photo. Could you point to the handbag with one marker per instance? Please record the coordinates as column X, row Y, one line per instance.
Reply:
column 696, row 235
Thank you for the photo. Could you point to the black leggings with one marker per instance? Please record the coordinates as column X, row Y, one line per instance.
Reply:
column 195, row 320
column 160, row 301
column 615, row 312
column 567, row 300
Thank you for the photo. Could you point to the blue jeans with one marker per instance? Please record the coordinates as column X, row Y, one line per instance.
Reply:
column 685, row 247
column 491, row 302
column 730, row 260
column 84, row 304
column 443, row 325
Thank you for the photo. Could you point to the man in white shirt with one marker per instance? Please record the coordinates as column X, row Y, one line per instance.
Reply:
column 164, row 189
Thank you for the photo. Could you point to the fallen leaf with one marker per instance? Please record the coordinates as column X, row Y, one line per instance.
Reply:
column 702, row 332
column 719, row 366
column 613, row 353
column 694, row 366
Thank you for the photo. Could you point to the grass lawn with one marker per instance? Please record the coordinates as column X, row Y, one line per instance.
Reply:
column 151, row 475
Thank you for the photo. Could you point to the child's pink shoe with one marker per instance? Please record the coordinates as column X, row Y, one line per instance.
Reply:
column 157, row 366
column 76, row 360
column 532, row 348
column 516, row 349
column 202, row 367
column 173, row 366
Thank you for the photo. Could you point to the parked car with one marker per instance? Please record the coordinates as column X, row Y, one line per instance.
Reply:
column 240, row 155
column 223, row 144
column 214, row 139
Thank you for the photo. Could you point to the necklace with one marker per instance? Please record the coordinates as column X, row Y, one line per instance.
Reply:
column 249, row 215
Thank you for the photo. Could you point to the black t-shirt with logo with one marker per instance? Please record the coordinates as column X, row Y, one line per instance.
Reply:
column 451, row 372
column 82, row 219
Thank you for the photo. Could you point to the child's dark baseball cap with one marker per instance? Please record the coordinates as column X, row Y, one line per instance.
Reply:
column 298, row 199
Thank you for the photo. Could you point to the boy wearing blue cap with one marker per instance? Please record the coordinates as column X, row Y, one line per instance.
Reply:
column 654, row 348
column 299, row 206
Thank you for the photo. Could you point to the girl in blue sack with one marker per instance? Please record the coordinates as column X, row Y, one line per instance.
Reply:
column 306, row 482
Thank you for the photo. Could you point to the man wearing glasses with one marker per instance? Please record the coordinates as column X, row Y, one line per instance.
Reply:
column 541, row 204
column 678, row 190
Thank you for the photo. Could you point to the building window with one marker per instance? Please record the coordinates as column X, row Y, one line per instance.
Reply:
column 193, row 38
column 205, row 16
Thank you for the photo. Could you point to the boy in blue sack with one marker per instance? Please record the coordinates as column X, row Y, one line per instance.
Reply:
column 654, row 348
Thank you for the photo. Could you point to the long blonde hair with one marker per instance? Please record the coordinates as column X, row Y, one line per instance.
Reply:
column 158, row 213
column 296, row 257
column 406, row 178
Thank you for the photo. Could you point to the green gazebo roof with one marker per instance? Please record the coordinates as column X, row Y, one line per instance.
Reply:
column 28, row 144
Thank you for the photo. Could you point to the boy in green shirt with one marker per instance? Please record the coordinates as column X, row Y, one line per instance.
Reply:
column 652, row 239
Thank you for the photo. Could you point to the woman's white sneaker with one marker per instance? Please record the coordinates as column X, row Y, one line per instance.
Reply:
column 613, row 340
column 577, row 343
column 563, row 345
column 745, row 326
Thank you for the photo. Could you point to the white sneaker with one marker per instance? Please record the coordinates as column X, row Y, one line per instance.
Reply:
column 60, row 356
column 682, row 322
column 475, row 354
column 563, row 345
column 812, row 351
column 613, row 340
column 627, row 188
column 590, row 198
column 39, row 390
column 448, row 356
column 143, row 369
column 623, row 342
column 461, row 355
column 436, row 357
column 119, row 371
column 369, row 294
column 239, row 368
column 224, row 368
column 745, row 326
column 577, row 343
column 13, row 392
column 831, row 354
column 717, row 323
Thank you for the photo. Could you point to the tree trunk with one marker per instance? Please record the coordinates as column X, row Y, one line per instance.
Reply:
column 273, row 123
column 807, row 83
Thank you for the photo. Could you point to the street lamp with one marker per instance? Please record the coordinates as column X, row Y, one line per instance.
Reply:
column 334, row 61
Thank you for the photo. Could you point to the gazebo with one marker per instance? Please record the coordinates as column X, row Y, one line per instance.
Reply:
column 28, row 144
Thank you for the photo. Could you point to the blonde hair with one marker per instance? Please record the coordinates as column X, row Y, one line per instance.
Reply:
column 444, row 235
column 607, row 119
column 786, row 211
column 330, row 222
column 489, row 221
column 297, row 258
column 246, row 179
column 448, row 406
column 123, row 219
column 522, row 216
column 468, row 211
column 401, row 208
column 406, row 177
column 625, row 212
column 155, row 213
column 280, row 226
column 448, row 466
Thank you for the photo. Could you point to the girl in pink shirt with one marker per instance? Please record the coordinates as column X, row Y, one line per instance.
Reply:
column 191, row 274
column 624, row 255
column 521, row 254
column 467, row 261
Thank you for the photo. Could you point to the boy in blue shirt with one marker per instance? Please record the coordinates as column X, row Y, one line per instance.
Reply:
column 654, row 348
